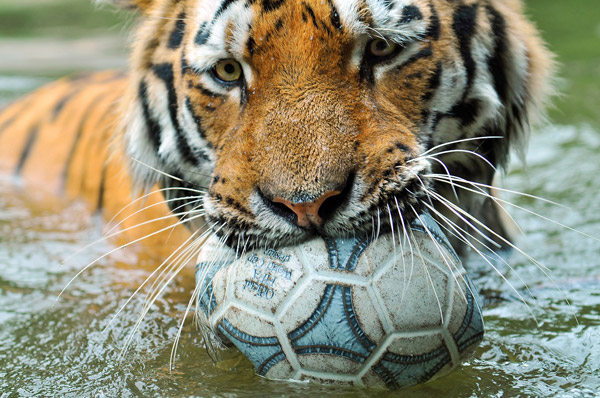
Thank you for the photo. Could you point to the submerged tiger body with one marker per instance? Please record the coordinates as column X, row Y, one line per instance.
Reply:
column 269, row 121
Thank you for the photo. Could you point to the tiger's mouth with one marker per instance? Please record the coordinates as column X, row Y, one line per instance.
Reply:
column 362, row 207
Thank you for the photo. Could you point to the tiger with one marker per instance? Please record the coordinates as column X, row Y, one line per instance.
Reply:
column 267, row 122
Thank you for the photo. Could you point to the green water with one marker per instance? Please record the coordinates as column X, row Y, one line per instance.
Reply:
column 549, row 347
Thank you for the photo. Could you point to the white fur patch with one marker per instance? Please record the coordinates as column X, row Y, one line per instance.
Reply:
column 237, row 18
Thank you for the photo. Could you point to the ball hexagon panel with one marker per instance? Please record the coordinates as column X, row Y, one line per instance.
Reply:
column 397, row 286
column 264, row 279
column 471, row 329
column 211, row 290
column 435, row 244
column 379, row 256
column 368, row 313
column 312, row 255
column 303, row 305
column 401, row 370
column 263, row 352
column 344, row 256
column 331, row 339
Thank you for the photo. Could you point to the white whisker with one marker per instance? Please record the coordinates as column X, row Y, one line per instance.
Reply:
column 392, row 229
column 460, row 141
column 122, row 247
column 480, row 156
column 444, row 255
column 148, row 278
column 537, row 215
column 485, row 258
column 192, row 300
column 110, row 234
column 176, row 266
column 424, row 265
column 479, row 184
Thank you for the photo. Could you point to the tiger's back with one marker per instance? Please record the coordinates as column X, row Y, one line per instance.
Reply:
column 62, row 140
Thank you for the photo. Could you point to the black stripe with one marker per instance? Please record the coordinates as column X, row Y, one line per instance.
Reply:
column 312, row 15
column 177, row 35
column 251, row 45
column 224, row 6
column 81, row 81
column 424, row 53
column 464, row 24
column 85, row 78
column 184, row 67
column 62, row 102
column 410, row 13
column 8, row 122
column 271, row 5
column 467, row 111
column 243, row 95
column 278, row 24
column 518, row 118
column 388, row 4
column 79, row 86
column 494, row 151
column 31, row 138
column 23, row 106
column 84, row 117
column 496, row 63
column 402, row 147
column 152, row 127
column 100, row 199
column 208, row 92
column 464, row 21
column 436, row 118
column 165, row 73
column 434, row 82
column 197, row 119
column 78, row 77
column 433, row 30
column 326, row 28
column 203, row 34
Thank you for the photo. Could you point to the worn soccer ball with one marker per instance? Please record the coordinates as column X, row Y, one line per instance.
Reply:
column 388, row 312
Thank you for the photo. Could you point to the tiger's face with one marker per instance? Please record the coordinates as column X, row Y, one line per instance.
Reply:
column 329, row 117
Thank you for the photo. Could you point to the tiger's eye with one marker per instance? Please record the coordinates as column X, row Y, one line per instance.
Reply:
column 382, row 48
column 228, row 70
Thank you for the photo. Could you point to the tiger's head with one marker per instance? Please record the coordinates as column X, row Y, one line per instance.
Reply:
column 333, row 117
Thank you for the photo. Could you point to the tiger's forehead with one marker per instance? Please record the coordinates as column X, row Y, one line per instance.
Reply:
column 225, row 28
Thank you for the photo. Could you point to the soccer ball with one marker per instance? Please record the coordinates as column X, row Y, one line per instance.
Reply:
column 388, row 312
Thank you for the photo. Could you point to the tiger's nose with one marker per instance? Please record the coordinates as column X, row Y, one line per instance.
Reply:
column 305, row 209
column 309, row 214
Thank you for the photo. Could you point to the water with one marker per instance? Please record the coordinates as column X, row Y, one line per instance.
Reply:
column 549, row 346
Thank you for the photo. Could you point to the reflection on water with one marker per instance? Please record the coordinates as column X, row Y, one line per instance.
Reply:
column 549, row 346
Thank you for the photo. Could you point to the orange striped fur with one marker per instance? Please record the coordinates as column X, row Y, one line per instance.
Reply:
column 61, row 139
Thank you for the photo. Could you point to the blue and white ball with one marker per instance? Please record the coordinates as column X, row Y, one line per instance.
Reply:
column 390, row 312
